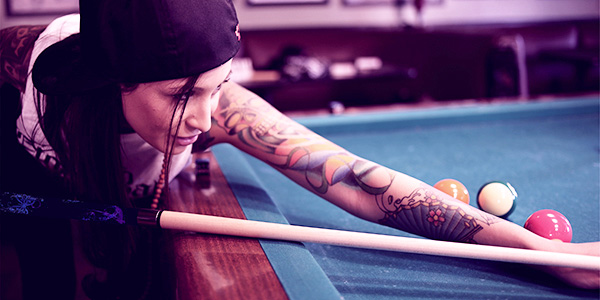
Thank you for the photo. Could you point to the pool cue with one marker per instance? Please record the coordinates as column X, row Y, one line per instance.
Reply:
column 34, row 206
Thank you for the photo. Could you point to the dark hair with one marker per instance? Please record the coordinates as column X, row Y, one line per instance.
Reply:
column 84, row 131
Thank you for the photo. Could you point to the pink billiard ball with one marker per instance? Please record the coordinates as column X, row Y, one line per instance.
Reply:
column 550, row 224
column 453, row 188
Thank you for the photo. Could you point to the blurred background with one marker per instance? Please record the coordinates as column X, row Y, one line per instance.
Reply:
column 306, row 54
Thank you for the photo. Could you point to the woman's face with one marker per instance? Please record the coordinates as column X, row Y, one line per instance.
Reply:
column 149, row 108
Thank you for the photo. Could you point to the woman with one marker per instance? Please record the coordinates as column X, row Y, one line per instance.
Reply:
column 144, row 80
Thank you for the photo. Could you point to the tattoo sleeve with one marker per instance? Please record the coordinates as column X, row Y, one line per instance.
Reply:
column 16, row 44
column 262, row 131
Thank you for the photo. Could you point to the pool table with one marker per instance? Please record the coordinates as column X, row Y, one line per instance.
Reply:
column 547, row 149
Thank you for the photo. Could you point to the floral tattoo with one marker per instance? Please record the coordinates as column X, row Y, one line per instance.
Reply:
column 424, row 213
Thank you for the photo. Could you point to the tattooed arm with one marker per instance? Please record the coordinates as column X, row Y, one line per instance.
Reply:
column 359, row 186
column 16, row 44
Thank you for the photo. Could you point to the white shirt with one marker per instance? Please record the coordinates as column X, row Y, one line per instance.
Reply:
column 141, row 161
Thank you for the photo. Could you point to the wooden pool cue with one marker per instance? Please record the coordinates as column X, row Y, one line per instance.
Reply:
column 34, row 206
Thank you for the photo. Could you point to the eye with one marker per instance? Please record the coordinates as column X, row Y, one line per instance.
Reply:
column 217, row 89
column 180, row 97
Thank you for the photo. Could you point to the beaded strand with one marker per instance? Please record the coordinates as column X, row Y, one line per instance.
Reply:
column 160, row 184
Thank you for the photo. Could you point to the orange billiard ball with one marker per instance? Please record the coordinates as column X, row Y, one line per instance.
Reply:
column 453, row 188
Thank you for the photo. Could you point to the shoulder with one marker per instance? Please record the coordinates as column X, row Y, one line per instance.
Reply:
column 236, row 97
column 243, row 116
column 240, row 107
column 239, row 112
column 29, row 133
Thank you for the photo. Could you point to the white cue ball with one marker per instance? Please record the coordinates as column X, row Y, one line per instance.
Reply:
column 497, row 198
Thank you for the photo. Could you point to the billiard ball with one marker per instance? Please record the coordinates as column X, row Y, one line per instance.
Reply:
column 550, row 224
column 497, row 198
column 453, row 188
column 336, row 108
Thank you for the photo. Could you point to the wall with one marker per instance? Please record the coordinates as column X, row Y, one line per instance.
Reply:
column 335, row 14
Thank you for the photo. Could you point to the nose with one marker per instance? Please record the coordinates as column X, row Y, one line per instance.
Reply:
column 198, row 115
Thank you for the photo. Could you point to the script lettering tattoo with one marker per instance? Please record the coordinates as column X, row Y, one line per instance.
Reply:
column 424, row 213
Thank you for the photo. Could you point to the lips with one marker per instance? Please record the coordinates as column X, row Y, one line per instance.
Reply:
column 186, row 141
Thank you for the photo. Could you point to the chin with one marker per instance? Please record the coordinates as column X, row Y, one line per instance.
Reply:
column 176, row 150
column 159, row 144
column 179, row 149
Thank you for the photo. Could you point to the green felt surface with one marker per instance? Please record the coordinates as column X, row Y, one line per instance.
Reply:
column 549, row 151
